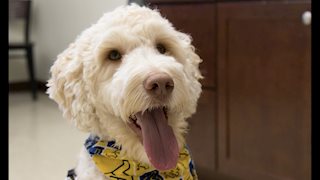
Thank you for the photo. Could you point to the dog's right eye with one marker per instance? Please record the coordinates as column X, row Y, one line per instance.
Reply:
column 161, row 48
column 114, row 55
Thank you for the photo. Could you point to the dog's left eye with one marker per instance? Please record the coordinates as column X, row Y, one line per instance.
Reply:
column 114, row 55
column 161, row 48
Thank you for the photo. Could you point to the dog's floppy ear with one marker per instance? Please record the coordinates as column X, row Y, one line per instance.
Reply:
column 192, row 58
column 67, row 86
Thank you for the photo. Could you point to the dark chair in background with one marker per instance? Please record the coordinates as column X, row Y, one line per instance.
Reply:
column 21, row 9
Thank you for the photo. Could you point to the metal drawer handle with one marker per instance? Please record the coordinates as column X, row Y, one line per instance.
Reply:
column 306, row 18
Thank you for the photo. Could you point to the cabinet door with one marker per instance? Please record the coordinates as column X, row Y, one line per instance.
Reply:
column 264, row 93
column 201, row 136
column 198, row 20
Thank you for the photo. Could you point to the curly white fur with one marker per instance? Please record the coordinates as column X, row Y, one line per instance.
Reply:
column 99, row 95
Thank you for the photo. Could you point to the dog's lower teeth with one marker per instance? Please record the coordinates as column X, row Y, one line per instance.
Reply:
column 133, row 117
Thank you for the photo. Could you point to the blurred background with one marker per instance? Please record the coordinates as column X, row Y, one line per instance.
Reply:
column 253, row 119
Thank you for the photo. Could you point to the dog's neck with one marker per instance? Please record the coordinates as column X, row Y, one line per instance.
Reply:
column 107, row 158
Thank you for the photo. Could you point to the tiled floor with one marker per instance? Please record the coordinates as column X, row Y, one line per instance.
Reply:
column 42, row 145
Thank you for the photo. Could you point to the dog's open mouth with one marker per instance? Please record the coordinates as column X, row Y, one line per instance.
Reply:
column 156, row 136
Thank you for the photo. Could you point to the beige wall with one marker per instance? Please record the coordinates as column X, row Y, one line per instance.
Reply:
column 55, row 24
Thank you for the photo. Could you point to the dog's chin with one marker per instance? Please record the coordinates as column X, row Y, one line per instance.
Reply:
column 156, row 136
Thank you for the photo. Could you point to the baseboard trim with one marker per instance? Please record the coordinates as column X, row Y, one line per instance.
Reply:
column 25, row 86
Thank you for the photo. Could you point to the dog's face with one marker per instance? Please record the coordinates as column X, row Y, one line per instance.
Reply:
column 133, row 78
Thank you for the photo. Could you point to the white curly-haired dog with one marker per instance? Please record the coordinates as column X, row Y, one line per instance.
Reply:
column 131, row 80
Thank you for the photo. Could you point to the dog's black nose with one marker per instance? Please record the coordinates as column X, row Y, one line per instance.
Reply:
column 159, row 85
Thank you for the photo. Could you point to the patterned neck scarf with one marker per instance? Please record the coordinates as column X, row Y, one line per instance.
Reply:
column 106, row 156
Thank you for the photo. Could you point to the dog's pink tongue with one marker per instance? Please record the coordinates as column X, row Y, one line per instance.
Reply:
column 158, row 139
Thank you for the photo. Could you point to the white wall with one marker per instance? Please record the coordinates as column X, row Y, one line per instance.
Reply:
column 55, row 24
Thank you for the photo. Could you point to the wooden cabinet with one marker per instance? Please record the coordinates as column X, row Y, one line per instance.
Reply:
column 253, row 120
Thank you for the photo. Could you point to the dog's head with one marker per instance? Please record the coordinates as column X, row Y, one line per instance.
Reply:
column 133, row 78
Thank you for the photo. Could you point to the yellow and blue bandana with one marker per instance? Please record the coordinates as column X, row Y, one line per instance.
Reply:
column 106, row 156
